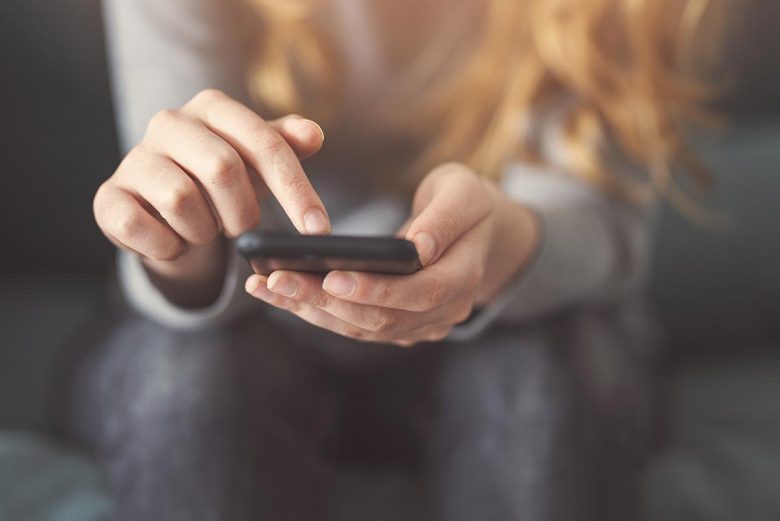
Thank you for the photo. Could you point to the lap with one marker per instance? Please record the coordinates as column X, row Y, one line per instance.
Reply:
column 218, row 424
column 534, row 409
column 137, row 369
column 296, row 370
column 553, row 420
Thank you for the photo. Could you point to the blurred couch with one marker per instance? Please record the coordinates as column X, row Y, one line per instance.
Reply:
column 717, row 291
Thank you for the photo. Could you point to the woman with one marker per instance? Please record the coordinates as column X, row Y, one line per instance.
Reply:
column 517, row 144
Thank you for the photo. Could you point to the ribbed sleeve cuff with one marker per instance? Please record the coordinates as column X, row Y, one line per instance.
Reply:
column 145, row 298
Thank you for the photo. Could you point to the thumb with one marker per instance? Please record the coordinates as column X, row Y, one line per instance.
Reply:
column 457, row 201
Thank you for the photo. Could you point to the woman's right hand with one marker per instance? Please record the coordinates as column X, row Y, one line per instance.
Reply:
column 198, row 173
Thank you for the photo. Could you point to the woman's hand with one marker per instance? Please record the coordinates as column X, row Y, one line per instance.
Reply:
column 471, row 239
column 198, row 173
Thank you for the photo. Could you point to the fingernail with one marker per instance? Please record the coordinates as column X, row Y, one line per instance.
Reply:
column 322, row 132
column 302, row 127
column 315, row 222
column 283, row 286
column 256, row 286
column 252, row 283
column 339, row 284
column 426, row 247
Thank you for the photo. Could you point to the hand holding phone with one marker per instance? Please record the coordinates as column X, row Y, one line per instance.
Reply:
column 465, row 232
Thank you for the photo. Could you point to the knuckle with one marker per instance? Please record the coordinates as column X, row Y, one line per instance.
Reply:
column 222, row 168
column 162, row 119
column 100, row 197
column 172, row 252
column 381, row 322
column 269, row 143
column 101, row 205
column 208, row 96
column 138, row 157
column 127, row 225
column 178, row 199
column 137, row 161
column 287, row 303
column 135, row 154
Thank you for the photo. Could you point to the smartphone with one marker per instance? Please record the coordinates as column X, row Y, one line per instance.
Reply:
column 270, row 251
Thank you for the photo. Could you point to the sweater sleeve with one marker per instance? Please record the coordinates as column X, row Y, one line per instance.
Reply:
column 593, row 248
column 144, row 297
column 161, row 54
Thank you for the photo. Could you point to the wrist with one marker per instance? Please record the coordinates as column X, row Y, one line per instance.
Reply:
column 514, row 238
column 193, row 280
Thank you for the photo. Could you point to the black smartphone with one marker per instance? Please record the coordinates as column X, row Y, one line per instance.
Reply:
column 270, row 251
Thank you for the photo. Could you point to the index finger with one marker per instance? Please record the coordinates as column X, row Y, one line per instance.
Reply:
column 268, row 154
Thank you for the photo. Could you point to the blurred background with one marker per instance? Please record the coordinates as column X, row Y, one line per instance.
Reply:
column 717, row 292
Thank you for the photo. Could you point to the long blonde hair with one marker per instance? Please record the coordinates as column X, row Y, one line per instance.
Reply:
column 638, row 72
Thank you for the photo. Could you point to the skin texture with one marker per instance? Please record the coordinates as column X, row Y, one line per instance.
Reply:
column 199, row 174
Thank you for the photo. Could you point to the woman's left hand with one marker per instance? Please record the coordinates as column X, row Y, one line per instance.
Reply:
column 470, row 240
